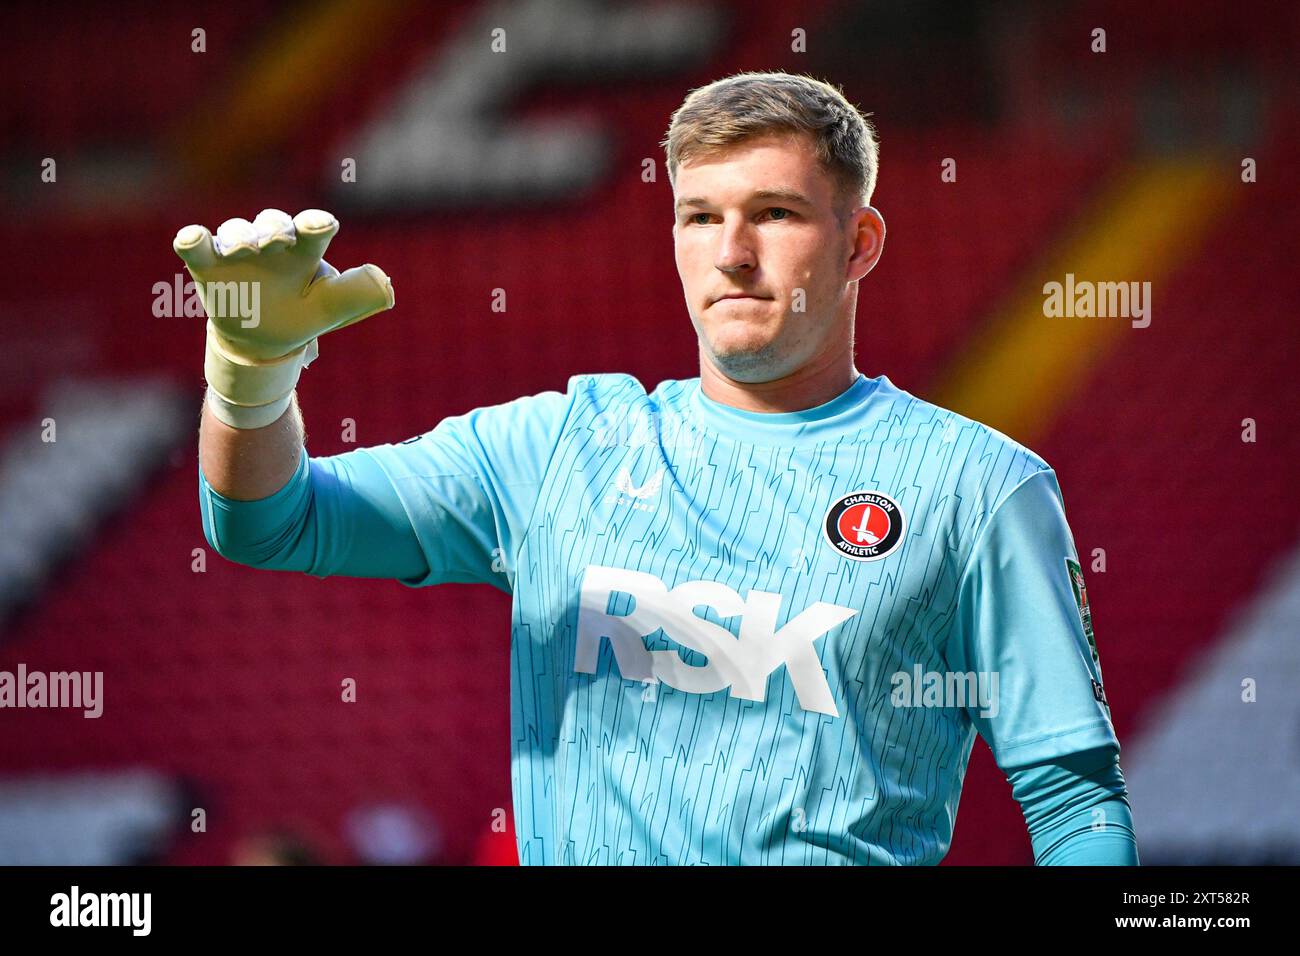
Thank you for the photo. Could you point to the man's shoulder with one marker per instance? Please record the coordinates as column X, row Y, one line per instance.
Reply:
column 1003, row 455
column 584, row 395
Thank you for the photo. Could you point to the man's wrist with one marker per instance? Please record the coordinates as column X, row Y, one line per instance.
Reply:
column 251, row 393
column 246, row 416
column 246, row 381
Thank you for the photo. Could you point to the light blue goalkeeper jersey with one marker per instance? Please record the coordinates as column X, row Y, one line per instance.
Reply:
column 737, row 637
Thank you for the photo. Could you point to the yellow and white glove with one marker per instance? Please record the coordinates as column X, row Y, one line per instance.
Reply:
column 268, row 295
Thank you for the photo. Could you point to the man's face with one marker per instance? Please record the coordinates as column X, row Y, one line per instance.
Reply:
column 765, row 261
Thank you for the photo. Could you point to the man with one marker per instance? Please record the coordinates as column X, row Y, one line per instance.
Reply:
column 759, row 616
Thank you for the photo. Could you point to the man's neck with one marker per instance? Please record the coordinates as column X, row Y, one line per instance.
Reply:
column 813, row 385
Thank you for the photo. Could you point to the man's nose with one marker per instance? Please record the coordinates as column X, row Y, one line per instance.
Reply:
column 735, row 249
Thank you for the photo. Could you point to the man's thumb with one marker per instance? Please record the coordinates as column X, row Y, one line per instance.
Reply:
column 353, row 295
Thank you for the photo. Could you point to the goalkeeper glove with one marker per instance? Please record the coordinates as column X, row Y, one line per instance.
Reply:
column 274, row 265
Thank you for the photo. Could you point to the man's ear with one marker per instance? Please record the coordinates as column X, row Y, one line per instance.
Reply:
column 868, row 236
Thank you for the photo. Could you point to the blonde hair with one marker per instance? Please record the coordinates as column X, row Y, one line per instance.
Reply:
column 731, row 110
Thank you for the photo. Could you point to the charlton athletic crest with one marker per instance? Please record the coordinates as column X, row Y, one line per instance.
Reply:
column 865, row 525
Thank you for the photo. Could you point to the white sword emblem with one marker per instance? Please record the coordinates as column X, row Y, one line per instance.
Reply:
column 865, row 533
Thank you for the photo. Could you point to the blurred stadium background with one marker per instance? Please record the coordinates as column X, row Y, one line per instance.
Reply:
column 1168, row 158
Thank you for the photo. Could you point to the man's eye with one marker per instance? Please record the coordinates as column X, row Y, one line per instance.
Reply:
column 776, row 213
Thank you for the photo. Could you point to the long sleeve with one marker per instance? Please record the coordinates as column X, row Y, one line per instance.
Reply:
column 1077, row 811
column 1023, row 620
column 450, row 505
column 337, row 515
